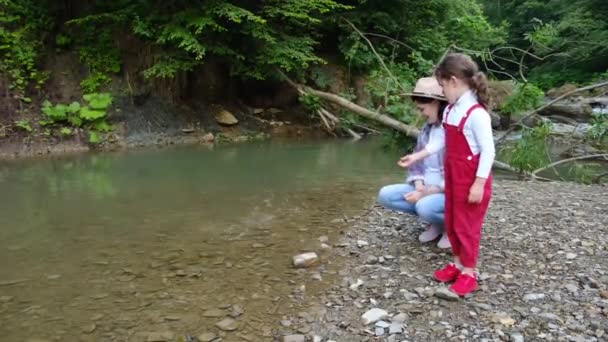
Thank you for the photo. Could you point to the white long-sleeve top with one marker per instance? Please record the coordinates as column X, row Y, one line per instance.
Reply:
column 477, row 131
column 433, row 164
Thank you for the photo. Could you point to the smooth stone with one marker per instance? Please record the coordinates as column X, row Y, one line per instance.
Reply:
column 207, row 337
column 213, row 313
column 379, row 331
column 160, row 336
column 533, row 296
column 395, row 328
column 517, row 338
column 294, row 338
column 399, row 318
column 382, row 324
column 373, row 315
column 305, row 260
column 445, row 293
column 227, row 324
column 362, row 243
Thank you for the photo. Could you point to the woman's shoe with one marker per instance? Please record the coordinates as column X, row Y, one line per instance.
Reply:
column 430, row 234
column 444, row 242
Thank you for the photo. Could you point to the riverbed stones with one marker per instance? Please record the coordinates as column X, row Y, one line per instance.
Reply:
column 530, row 285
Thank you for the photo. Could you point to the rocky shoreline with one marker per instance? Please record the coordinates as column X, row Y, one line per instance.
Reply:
column 543, row 271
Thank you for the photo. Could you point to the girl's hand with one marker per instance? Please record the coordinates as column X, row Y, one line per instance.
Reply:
column 475, row 193
column 406, row 161
column 413, row 196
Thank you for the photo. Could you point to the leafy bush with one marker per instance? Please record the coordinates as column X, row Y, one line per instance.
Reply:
column 526, row 96
column 530, row 152
column 92, row 117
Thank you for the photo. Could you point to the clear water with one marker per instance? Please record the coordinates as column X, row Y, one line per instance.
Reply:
column 112, row 247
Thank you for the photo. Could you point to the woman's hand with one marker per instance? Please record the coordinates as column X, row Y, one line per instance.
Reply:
column 406, row 161
column 413, row 196
column 419, row 185
column 476, row 193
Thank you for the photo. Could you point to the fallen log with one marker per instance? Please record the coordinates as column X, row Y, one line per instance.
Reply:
column 409, row 130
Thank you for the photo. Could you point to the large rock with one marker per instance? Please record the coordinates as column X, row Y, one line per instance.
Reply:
column 224, row 117
column 578, row 111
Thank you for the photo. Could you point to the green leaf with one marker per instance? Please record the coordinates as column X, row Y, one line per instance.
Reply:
column 74, row 107
column 24, row 124
column 65, row 131
column 89, row 114
column 56, row 113
column 75, row 120
column 98, row 100
column 102, row 126
column 94, row 137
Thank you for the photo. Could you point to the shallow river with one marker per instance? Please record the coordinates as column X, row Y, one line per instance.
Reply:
column 118, row 247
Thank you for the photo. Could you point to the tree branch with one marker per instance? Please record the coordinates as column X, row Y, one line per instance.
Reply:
column 559, row 98
column 563, row 161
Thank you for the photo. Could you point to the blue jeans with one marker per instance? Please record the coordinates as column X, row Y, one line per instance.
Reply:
column 429, row 208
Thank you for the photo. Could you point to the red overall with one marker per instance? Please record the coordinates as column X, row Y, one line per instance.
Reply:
column 463, row 220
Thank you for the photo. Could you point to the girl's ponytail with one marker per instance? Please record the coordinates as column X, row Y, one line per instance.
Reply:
column 463, row 67
column 479, row 82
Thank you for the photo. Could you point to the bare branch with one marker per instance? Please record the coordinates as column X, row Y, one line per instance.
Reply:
column 371, row 46
column 559, row 98
column 563, row 161
column 389, row 38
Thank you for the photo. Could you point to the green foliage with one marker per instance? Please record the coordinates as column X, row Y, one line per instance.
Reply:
column 599, row 127
column 572, row 35
column 23, row 25
column 526, row 96
column 94, row 137
column 530, row 152
column 311, row 102
column 97, row 50
column 92, row 116
column 65, row 131
column 24, row 124
column 94, row 82
column 62, row 40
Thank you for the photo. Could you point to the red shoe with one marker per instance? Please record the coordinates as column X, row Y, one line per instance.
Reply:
column 464, row 284
column 447, row 274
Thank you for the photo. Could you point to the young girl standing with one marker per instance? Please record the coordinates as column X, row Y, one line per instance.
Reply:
column 469, row 155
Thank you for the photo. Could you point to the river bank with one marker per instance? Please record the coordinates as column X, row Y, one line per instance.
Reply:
column 542, row 269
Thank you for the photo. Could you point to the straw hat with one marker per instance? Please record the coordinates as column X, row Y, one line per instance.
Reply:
column 427, row 87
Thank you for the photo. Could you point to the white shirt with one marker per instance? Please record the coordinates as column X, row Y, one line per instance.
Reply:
column 477, row 131
column 433, row 173
column 433, row 166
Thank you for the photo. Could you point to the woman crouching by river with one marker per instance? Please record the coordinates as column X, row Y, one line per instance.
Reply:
column 422, row 194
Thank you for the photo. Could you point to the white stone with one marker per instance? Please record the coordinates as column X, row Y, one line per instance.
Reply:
column 373, row 315
column 305, row 259
column 382, row 324
column 533, row 296
column 362, row 243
